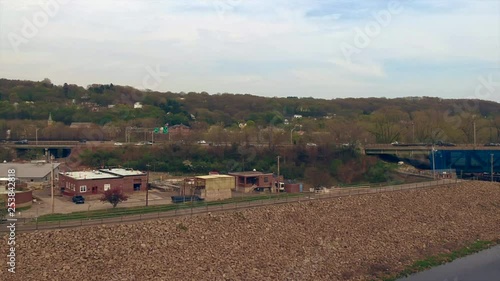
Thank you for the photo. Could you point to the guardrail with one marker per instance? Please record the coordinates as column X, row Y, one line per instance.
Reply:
column 32, row 224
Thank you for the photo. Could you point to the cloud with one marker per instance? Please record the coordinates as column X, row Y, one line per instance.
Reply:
column 261, row 47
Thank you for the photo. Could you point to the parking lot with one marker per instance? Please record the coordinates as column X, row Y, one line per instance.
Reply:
column 63, row 204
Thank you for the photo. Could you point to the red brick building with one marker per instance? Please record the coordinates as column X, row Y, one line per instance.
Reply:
column 178, row 132
column 258, row 181
column 95, row 182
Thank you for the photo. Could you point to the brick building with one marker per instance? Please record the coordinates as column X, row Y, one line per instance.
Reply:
column 178, row 132
column 95, row 182
column 255, row 181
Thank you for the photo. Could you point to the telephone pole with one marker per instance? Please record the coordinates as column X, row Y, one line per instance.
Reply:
column 491, row 167
column 147, row 183
column 279, row 183
column 52, row 182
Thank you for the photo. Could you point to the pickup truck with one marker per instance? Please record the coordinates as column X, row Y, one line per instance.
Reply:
column 182, row 199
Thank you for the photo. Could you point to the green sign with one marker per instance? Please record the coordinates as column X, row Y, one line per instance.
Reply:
column 165, row 130
column 157, row 130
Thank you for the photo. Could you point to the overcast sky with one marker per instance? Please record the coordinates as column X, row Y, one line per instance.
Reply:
column 318, row 48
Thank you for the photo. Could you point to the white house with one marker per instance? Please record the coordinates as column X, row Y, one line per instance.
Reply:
column 137, row 105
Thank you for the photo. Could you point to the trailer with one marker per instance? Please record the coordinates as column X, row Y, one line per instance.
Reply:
column 185, row 199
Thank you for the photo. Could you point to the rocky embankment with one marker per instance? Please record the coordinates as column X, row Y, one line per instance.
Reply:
column 350, row 238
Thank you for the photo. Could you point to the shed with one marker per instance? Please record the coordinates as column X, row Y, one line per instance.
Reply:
column 215, row 187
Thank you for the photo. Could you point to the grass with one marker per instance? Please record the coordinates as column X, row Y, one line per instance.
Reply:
column 127, row 211
column 22, row 209
column 440, row 259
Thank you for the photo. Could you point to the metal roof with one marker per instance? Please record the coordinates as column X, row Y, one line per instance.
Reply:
column 89, row 175
column 122, row 172
column 213, row 177
column 27, row 170
column 250, row 174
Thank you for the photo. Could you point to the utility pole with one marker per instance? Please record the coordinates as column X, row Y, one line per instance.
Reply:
column 491, row 167
column 279, row 183
column 147, row 184
column 433, row 164
column 474, row 133
column 413, row 127
column 52, row 182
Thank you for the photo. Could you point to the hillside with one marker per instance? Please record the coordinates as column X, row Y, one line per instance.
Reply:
column 350, row 238
column 366, row 120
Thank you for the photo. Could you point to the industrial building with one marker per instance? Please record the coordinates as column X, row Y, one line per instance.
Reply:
column 215, row 187
column 95, row 182
column 255, row 181
column 209, row 187
column 23, row 195
column 34, row 171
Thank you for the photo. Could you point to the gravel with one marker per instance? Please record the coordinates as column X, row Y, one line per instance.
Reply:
column 349, row 238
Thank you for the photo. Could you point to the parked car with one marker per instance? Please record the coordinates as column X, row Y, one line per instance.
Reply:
column 492, row 144
column 83, row 141
column 202, row 142
column 311, row 144
column 78, row 199
column 118, row 143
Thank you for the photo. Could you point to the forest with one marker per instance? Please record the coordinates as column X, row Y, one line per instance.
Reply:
column 240, row 121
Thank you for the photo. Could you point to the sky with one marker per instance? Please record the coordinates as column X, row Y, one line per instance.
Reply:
column 305, row 48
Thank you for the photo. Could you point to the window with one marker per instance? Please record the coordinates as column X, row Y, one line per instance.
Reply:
column 107, row 186
column 83, row 188
column 266, row 179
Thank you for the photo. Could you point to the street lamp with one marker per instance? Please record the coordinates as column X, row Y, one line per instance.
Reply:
column 291, row 133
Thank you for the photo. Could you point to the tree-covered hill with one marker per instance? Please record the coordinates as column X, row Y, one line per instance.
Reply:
column 364, row 120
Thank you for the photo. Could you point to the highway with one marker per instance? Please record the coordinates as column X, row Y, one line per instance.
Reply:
column 482, row 266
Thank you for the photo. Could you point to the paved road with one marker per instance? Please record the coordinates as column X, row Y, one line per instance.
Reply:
column 483, row 266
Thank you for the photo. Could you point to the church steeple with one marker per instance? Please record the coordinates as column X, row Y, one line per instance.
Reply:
column 50, row 121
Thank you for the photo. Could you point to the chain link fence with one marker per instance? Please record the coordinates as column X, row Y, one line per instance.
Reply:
column 237, row 203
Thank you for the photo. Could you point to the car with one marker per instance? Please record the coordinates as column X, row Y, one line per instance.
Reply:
column 394, row 143
column 83, row 141
column 140, row 143
column 311, row 144
column 442, row 143
column 78, row 199
column 492, row 144
column 118, row 143
column 21, row 142
column 202, row 142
